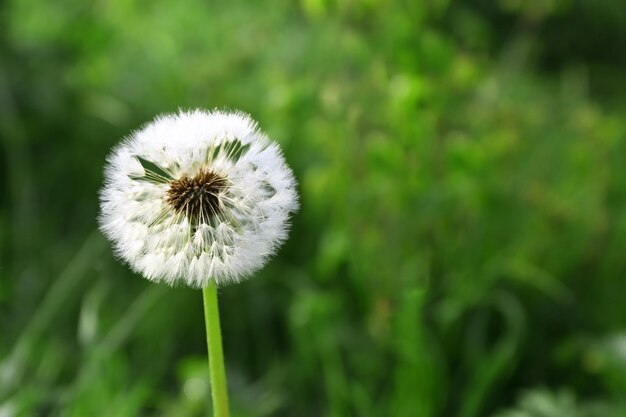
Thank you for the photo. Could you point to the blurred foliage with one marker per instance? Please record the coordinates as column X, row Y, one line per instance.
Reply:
column 463, row 221
column 543, row 403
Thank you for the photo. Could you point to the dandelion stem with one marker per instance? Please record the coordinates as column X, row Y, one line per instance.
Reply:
column 219, row 391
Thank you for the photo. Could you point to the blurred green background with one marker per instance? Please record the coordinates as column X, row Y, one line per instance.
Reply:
column 460, row 247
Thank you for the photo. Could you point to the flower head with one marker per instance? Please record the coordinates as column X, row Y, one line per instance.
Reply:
column 197, row 196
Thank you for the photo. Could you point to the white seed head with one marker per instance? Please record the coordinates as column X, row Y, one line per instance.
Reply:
column 197, row 196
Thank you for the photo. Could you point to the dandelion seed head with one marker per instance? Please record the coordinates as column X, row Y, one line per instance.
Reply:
column 197, row 196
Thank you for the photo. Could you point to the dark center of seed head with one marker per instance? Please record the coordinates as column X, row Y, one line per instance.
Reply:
column 197, row 197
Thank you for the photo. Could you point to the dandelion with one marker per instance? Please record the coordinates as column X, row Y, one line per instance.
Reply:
column 197, row 196
column 201, row 199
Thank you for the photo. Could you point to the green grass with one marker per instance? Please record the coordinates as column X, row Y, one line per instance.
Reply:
column 460, row 247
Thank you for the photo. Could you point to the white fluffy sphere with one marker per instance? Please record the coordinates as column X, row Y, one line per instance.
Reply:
column 197, row 196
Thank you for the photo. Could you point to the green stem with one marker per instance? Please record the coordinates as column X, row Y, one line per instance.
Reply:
column 219, row 389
